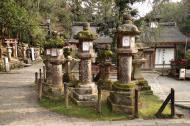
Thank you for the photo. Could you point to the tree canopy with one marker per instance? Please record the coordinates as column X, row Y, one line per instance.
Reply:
column 26, row 19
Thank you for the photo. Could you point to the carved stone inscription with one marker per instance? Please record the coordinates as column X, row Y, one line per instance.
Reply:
column 125, row 65
column 85, row 71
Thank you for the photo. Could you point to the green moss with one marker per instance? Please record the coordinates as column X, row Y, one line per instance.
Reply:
column 87, row 35
column 142, row 82
column 108, row 53
column 124, row 87
column 83, row 112
column 54, row 43
column 149, row 105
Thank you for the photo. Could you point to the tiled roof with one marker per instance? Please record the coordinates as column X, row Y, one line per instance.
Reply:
column 164, row 33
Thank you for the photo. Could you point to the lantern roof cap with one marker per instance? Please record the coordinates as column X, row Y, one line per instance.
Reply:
column 86, row 34
column 128, row 27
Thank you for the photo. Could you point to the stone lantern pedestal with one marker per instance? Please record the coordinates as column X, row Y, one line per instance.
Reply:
column 54, row 86
column 85, row 92
column 121, row 98
column 137, row 64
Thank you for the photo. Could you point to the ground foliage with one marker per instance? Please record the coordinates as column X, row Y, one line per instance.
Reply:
column 149, row 105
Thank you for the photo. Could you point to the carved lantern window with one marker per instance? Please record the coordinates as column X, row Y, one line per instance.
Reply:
column 128, row 41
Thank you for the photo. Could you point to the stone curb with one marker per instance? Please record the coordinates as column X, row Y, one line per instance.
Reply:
column 182, row 106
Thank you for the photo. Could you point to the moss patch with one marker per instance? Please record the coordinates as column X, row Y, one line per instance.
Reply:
column 54, row 43
column 142, row 82
column 123, row 87
column 87, row 35
column 83, row 112
column 149, row 105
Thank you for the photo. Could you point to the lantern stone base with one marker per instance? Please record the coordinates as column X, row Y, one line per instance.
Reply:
column 122, row 101
column 144, row 87
column 53, row 92
column 84, row 95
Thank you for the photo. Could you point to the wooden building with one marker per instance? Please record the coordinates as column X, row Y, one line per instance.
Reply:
column 165, row 42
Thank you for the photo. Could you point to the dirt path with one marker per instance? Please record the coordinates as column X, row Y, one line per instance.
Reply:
column 18, row 101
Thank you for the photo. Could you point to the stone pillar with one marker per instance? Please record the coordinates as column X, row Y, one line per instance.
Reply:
column 124, row 68
column 9, row 53
column 24, row 52
column 48, row 65
column 85, row 72
column 6, row 64
column 85, row 94
column 122, row 99
column 54, row 85
column 15, row 52
column 137, row 64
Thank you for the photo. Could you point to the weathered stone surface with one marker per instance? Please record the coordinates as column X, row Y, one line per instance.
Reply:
column 48, row 71
column 84, row 93
column 122, row 98
column 85, row 97
column 57, row 75
column 53, row 88
column 83, row 103
column 52, row 92
column 137, row 74
column 121, row 108
column 85, row 73
column 124, row 68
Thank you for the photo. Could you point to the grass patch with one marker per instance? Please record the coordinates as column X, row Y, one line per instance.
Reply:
column 83, row 112
column 148, row 106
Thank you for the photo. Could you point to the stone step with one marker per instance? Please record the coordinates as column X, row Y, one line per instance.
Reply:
column 84, row 103
column 83, row 91
column 84, row 97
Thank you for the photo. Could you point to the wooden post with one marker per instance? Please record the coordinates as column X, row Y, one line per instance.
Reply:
column 171, row 97
column 36, row 78
column 66, row 95
column 44, row 73
column 172, row 102
column 163, row 63
column 99, row 107
column 136, row 103
column 40, row 85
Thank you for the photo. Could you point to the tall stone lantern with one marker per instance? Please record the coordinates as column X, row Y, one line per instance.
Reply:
column 84, row 95
column 53, row 60
column 122, row 99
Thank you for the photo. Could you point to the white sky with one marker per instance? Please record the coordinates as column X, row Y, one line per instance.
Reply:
column 146, row 6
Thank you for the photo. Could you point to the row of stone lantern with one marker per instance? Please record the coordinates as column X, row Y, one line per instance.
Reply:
column 85, row 92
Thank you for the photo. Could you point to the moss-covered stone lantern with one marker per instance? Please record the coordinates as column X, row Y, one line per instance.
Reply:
column 122, row 99
column 53, row 60
column 84, row 95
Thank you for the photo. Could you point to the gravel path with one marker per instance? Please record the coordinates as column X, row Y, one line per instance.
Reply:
column 18, row 101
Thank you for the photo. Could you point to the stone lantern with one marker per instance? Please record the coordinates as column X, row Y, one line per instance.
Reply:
column 122, row 99
column 138, row 61
column 53, row 60
column 84, row 94
column 126, row 48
